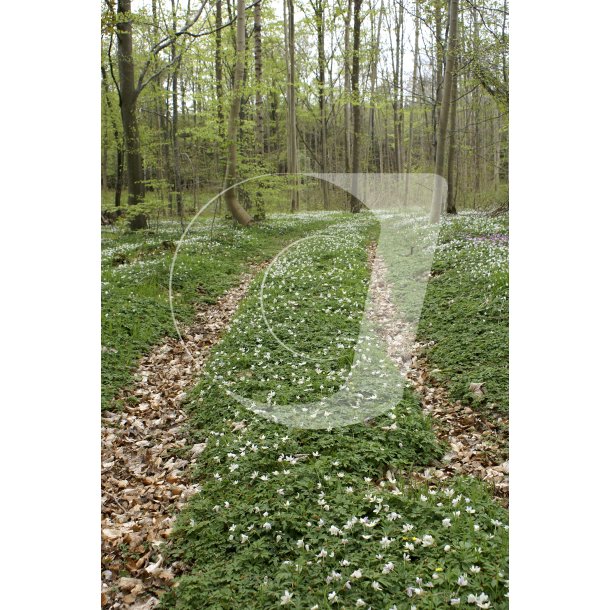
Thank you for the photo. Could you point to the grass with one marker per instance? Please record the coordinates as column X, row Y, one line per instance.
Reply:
column 135, row 272
column 316, row 518
column 465, row 312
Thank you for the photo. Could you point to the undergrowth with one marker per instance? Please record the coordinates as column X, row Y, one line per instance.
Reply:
column 323, row 518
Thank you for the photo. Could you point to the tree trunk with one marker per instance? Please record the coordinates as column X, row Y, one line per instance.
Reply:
column 438, row 72
column 293, row 159
column 135, row 170
column 118, row 184
column 175, row 116
column 376, row 30
column 476, row 108
column 346, row 86
column 413, row 87
column 218, row 67
column 451, row 164
column 496, row 146
column 319, row 16
column 258, row 75
column 444, row 114
column 396, row 105
column 236, row 210
column 355, row 203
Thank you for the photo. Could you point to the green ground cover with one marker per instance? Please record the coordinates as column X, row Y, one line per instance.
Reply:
column 313, row 518
column 135, row 276
column 466, row 309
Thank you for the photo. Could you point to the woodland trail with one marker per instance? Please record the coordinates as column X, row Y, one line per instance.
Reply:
column 146, row 475
column 478, row 443
column 146, row 462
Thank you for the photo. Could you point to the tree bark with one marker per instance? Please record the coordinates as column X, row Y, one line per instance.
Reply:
column 258, row 76
column 496, row 146
column 291, row 127
column 355, row 204
column 118, row 183
column 319, row 18
column 397, row 82
column 413, row 87
column 376, row 32
column 346, row 86
column 135, row 169
column 233, row 205
column 293, row 158
column 175, row 118
column 451, row 164
column 218, row 67
column 444, row 114
column 438, row 72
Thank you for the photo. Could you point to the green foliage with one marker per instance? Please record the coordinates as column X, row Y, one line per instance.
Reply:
column 135, row 274
column 466, row 309
column 397, row 541
column 308, row 517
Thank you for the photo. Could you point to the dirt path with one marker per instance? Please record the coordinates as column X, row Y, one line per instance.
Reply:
column 478, row 443
column 144, row 483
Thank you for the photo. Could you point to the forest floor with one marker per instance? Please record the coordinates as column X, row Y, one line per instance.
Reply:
column 406, row 510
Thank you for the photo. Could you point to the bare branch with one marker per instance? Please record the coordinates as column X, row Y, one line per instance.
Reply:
column 163, row 44
column 223, row 26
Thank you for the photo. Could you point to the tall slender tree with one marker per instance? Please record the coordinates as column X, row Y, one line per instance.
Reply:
column 235, row 208
column 347, row 53
column 128, row 98
column 413, row 90
column 450, row 53
column 451, row 160
column 175, row 118
column 355, row 203
column 293, row 153
column 258, row 76
column 318, row 8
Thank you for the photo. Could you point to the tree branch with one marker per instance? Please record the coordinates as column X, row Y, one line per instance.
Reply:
column 163, row 44
column 223, row 26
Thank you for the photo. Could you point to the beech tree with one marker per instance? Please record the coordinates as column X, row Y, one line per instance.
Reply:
column 355, row 203
column 236, row 209
column 439, row 168
column 332, row 86
column 129, row 92
column 291, row 131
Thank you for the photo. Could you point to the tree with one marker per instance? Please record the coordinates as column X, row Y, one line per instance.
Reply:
column 293, row 153
column 318, row 8
column 327, row 90
column 218, row 66
column 258, row 75
column 451, row 161
column 355, row 203
column 237, row 211
column 128, row 98
column 397, row 69
column 118, row 184
column 413, row 89
column 175, row 118
column 347, row 52
column 129, row 92
column 450, row 53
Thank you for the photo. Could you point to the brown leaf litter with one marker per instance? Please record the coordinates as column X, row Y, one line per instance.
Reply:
column 145, row 482
column 478, row 442
column 145, row 470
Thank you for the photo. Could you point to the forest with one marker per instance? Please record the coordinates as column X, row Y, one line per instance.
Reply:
column 196, row 96
column 304, row 381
